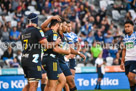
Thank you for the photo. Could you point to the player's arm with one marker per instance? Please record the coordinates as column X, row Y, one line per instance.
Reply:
column 45, row 43
column 46, row 22
column 77, row 53
column 123, row 58
column 59, row 50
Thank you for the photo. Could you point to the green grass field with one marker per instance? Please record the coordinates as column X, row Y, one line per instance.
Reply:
column 105, row 90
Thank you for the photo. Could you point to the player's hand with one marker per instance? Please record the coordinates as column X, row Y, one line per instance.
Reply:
column 58, row 41
column 122, row 66
column 83, row 56
column 57, row 17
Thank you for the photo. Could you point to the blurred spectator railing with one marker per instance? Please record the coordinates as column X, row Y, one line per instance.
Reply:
column 19, row 71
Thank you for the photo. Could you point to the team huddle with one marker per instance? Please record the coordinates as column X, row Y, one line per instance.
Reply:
column 57, row 43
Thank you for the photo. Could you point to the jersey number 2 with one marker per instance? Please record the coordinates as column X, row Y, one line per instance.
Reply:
column 36, row 56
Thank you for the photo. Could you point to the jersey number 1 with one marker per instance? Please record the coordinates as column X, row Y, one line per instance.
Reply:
column 36, row 56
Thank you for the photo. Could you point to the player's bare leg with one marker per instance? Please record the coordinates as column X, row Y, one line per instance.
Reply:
column 71, row 82
column 43, row 81
column 66, row 87
column 73, row 72
column 51, row 85
column 62, row 82
column 132, row 80
column 33, row 86
column 26, row 88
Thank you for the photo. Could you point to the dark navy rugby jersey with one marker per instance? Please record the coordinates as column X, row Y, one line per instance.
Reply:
column 51, row 36
column 30, row 40
column 63, row 39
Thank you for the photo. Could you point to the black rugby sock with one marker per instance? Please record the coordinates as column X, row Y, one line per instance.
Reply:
column 132, row 88
column 64, row 89
column 42, row 87
column 73, row 89
column 99, row 85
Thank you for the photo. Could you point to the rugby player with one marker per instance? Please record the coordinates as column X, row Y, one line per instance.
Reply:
column 73, row 41
column 44, row 79
column 50, row 59
column 32, row 40
column 64, row 67
column 128, row 61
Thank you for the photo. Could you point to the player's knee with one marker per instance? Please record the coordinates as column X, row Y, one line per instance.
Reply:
column 63, row 81
column 131, row 78
column 33, row 85
column 52, row 84
column 71, row 82
column 43, row 80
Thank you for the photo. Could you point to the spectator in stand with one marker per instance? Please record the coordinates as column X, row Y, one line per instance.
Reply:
column 18, row 14
column 87, row 55
column 99, row 36
column 108, row 37
column 96, row 50
column 8, row 26
column 86, row 29
column 14, row 64
column 131, row 5
column 56, row 10
column 82, row 13
column 118, row 5
column 8, row 56
column 20, row 27
column 90, row 38
column 93, row 11
column 113, row 51
column 15, row 4
column 105, row 53
column 91, row 20
column 46, row 10
column 102, row 13
column 5, row 35
column 18, row 56
column 128, row 16
column 97, row 23
column 10, row 8
column 14, row 34
column 3, row 9
column 6, row 4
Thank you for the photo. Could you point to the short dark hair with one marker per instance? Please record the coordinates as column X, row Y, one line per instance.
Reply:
column 62, row 20
column 129, row 22
column 54, row 22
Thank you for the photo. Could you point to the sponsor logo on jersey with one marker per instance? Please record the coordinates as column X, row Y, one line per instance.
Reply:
column 42, row 34
column 54, row 36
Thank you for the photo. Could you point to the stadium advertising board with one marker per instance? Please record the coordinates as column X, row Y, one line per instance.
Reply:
column 110, row 81
column 18, row 71
column 83, row 81
column 13, row 83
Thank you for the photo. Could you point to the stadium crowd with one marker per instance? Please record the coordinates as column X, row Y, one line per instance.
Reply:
column 94, row 21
